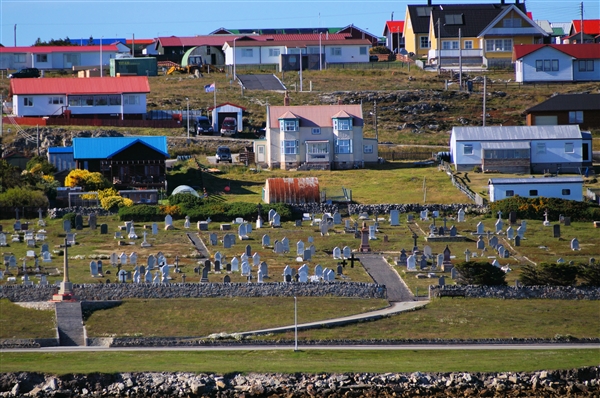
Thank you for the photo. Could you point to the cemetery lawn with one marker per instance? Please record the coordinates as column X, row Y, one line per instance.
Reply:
column 201, row 317
column 17, row 322
column 460, row 318
column 290, row 362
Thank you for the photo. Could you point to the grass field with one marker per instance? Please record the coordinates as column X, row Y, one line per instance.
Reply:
column 290, row 362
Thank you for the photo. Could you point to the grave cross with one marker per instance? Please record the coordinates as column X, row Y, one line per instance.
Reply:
column 499, row 215
column 343, row 263
column 415, row 238
column 445, row 220
column 432, row 216
column 352, row 260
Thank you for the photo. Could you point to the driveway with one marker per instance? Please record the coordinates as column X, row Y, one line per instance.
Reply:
column 383, row 274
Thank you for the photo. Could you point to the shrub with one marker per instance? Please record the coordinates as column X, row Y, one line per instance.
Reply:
column 140, row 213
column 168, row 209
column 379, row 50
column 549, row 274
column 475, row 273
column 22, row 197
column 534, row 208
column 70, row 217
column 185, row 201
column 88, row 181
column 113, row 203
column 590, row 274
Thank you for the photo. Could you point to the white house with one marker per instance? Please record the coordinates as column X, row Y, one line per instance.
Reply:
column 264, row 50
column 521, row 149
column 122, row 97
column 56, row 57
column 557, row 62
column 554, row 187
column 316, row 137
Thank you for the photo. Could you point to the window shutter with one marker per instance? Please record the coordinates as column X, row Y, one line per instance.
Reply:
column 335, row 124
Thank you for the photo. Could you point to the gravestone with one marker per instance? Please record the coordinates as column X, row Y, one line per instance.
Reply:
column 501, row 251
column 447, row 263
column 556, row 230
column 499, row 225
column 453, row 273
column 2, row 239
column 307, row 255
column 423, row 215
column 226, row 279
column 151, row 262
column 218, row 256
column 512, row 217
column 496, row 263
column 337, row 218
column 480, row 228
column 168, row 222
column 78, row 222
column 202, row 226
column 248, row 250
column 337, row 253
column 71, row 239
column 266, row 241
column 372, row 232
column 264, row 269
column 286, row 245
column 467, row 255
column 340, row 270
column 394, row 218
column 524, row 225
column 517, row 241
column 452, row 231
column 93, row 221
column 298, row 223
column 574, row 244
column 66, row 226
column 245, row 268
column 402, row 258
column 411, row 263
column 278, row 247
column 441, row 231
column 442, row 281
column 46, row 257
column 510, row 233
column 256, row 259
column 318, row 271
column 93, row 269
column 133, row 258
column 204, row 278
column 235, row 264
column 186, row 223
column 427, row 251
column 423, row 262
column 324, row 228
column 213, row 239
column 272, row 212
column 103, row 229
column 227, row 241
column 217, row 266
column 493, row 242
column 520, row 232
column 154, row 229
column 123, row 259
column 299, row 248
column 302, row 277
column 480, row 243
column 461, row 215
column 346, row 252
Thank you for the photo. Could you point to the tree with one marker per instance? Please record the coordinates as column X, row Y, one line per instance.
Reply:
column 590, row 274
column 476, row 273
column 88, row 181
column 23, row 197
column 40, row 164
column 549, row 274
column 9, row 176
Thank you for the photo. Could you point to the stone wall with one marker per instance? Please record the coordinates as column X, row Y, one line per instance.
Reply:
column 524, row 292
column 383, row 209
column 117, row 291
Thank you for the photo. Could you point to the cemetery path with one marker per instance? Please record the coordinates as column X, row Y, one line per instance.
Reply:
column 383, row 274
column 198, row 244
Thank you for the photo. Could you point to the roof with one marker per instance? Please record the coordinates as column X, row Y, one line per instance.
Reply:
column 546, row 180
column 505, row 145
column 544, row 24
column 568, row 102
column 96, row 42
column 509, row 133
column 193, row 41
column 60, row 149
column 393, row 27
column 106, row 147
column 470, row 19
column 261, row 82
column 590, row 26
column 57, row 49
column 299, row 43
column 225, row 104
column 578, row 51
column 315, row 115
column 140, row 41
column 248, row 31
column 293, row 190
column 74, row 85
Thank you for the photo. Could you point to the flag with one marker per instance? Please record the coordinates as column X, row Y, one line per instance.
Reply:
column 209, row 88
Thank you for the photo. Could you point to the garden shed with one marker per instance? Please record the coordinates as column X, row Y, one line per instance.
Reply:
column 291, row 190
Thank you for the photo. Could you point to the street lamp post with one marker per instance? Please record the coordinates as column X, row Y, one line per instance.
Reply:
column 234, row 75
column 295, row 324
column 188, row 119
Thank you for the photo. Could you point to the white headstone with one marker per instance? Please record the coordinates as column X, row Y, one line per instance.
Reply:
column 394, row 218
column 346, row 252
column 574, row 244
column 480, row 228
column 256, row 259
column 299, row 248
column 337, row 253
column 461, row 215
column 168, row 220
column 235, row 264
column 411, row 262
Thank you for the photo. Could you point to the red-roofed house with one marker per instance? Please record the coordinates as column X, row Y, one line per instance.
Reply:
column 320, row 137
column 557, row 62
column 394, row 39
column 94, row 97
column 591, row 31
column 173, row 48
column 55, row 57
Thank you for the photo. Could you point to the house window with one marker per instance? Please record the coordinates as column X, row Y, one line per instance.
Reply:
column 72, row 59
column 511, row 23
column 131, row 100
column 546, row 65
column 540, row 148
column 450, row 45
column 510, row 193
column 114, row 100
column 316, row 130
column 100, row 100
column 498, row 45
column 569, row 147
column 27, row 101
column 19, row 58
column 74, row 100
column 468, row 150
column 314, row 50
column 343, row 146
column 424, row 41
column 247, row 52
column 362, row 50
column 533, row 192
column 87, row 100
column 342, row 124
column 317, row 148
column 56, row 100
column 566, row 192
column 468, row 44
column 289, row 147
column 586, row 65
column 576, row 117
column 367, row 148
column 290, row 125
column 274, row 52
column 41, row 58
column 453, row 19
column 336, row 51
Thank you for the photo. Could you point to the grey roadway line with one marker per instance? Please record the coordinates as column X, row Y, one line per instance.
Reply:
column 351, row 347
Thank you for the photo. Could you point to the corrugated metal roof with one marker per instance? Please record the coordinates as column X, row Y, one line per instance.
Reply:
column 293, row 190
column 505, row 145
column 105, row 147
column 579, row 51
column 260, row 82
column 225, row 104
column 509, row 133
column 316, row 115
column 298, row 43
column 590, row 26
column 569, row 102
column 57, row 49
column 73, row 85
column 549, row 180
column 60, row 149
column 393, row 27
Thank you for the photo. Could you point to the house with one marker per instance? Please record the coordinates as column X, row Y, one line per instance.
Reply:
column 173, row 48
column 557, row 62
column 570, row 188
column 141, row 47
column 521, row 149
column 591, row 31
column 393, row 32
column 127, row 162
column 321, row 137
column 481, row 34
column 56, row 57
column 227, row 109
column 265, row 50
column 580, row 109
column 61, row 157
column 94, row 97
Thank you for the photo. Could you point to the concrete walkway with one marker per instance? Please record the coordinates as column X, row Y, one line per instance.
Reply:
column 383, row 274
column 198, row 244
column 69, row 323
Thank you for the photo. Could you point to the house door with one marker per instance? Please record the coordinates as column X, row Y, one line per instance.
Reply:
column 260, row 155
column 585, row 151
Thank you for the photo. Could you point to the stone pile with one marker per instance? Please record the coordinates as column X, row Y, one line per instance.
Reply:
column 583, row 382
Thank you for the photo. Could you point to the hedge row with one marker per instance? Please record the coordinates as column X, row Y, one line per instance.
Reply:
column 534, row 208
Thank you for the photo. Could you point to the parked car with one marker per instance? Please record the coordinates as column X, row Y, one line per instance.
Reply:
column 223, row 154
column 25, row 72
column 202, row 125
column 229, row 127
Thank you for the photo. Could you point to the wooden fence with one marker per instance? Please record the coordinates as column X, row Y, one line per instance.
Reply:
column 405, row 155
column 33, row 121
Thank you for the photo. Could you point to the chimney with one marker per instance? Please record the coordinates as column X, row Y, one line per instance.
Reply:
column 501, row 2
column 428, row 3
column 286, row 99
column 339, row 101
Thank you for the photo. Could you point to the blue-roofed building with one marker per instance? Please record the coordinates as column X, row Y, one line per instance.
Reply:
column 61, row 157
column 570, row 188
column 128, row 162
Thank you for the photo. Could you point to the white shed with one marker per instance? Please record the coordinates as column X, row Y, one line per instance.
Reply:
column 570, row 188
column 221, row 111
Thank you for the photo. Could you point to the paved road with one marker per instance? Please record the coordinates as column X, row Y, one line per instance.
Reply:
column 384, row 274
column 384, row 347
column 198, row 244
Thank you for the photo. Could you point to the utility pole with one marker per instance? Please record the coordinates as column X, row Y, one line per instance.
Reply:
column 15, row 35
column 439, row 46
column 375, row 120
column 581, row 23
column 484, row 95
column 459, row 59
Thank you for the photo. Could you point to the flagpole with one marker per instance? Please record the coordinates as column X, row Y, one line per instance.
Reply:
column 215, row 95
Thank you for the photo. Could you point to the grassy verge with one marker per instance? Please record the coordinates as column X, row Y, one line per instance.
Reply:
column 17, row 322
column 310, row 361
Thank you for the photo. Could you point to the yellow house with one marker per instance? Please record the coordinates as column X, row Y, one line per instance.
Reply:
column 479, row 34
